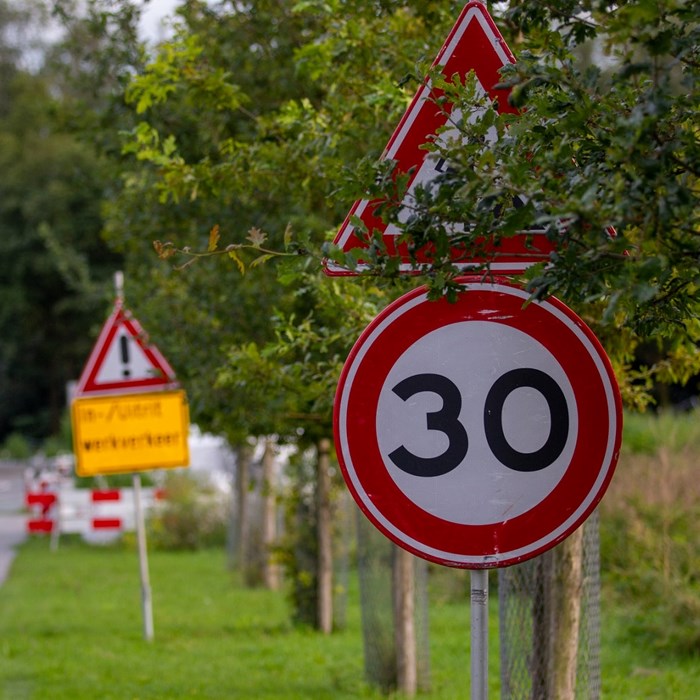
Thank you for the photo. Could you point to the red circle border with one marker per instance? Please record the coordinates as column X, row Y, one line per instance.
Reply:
column 498, row 544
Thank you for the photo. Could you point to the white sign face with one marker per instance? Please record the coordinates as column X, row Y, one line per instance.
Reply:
column 479, row 489
column 122, row 361
column 478, row 433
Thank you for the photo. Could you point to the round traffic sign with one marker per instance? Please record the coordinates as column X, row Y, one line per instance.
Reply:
column 478, row 433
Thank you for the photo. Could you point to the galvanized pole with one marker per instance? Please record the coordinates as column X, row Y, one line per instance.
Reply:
column 146, row 603
column 119, row 284
column 479, row 633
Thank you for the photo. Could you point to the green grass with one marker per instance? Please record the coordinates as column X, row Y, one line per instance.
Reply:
column 634, row 668
column 70, row 628
column 646, row 433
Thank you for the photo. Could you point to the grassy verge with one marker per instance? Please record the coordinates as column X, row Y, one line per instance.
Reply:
column 70, row 628
column 635, row 668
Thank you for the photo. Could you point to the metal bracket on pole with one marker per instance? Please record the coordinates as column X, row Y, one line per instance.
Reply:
column 479, row 633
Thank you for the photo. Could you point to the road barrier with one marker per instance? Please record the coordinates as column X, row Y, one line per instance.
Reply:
column 86, row 512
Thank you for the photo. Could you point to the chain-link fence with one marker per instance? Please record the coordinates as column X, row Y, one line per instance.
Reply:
column 550, row 622
column 378, row 560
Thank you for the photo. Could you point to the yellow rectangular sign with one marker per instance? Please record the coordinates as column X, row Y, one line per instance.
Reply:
column 130, row 432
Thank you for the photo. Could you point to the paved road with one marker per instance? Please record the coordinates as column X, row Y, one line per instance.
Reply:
column 12, row 521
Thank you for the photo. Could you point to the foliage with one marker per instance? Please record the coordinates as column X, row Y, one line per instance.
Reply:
column 648, row 433
column 593, row 146
column 90, row 65
column 192, row 516
column 288, row 384
column 596, row 143
column 16, row 446
column 54, row 264
column 177, row 188
column 48, row 205
column 280, row 121
column 650, row 531
column 232, row 128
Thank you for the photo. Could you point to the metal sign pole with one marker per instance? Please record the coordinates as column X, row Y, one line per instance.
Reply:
column 146, row 603
column 119, row 284
column 479, row 633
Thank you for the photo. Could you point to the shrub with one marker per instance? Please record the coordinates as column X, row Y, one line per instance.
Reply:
column 650, row 534
column 298, row 552
column 647, row 433
column 193, row 515
column 16, row 447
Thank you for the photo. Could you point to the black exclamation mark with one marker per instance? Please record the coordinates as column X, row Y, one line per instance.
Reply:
column 124, row 346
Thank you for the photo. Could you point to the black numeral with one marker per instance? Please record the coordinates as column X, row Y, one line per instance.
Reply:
column 446, row 420
column 558, row 426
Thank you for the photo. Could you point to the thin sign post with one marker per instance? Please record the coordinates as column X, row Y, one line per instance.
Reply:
column 129, row 416
column 146, row 598
column 479, row 582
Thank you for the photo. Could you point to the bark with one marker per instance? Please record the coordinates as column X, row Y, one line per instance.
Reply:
column 404, row 622
column 567, row 594
column 242, row 526
column 557, row 602
column 271, row 569
column 325, row 538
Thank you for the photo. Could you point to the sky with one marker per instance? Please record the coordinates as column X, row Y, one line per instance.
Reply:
column 154, row 14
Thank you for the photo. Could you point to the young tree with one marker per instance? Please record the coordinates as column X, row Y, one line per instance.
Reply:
column 286, row 387
column 278, row 124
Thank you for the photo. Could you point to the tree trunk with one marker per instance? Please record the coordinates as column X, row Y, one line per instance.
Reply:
column 244, row 456
column 540, row 625
column 556, row 615
column 271, row 570
column 566, row 612
column 404, row 622
column 325, row 538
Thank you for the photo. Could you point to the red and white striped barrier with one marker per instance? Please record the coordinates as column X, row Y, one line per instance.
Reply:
column 104, row 510
column 41, row 505
column 87, row 512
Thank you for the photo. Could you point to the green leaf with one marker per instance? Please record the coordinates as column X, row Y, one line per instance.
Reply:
column 235, row 256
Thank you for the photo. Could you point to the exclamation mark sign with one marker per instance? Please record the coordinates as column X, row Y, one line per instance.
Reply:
column 124, row 347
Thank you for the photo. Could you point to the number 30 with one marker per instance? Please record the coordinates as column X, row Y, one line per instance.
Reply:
column 446, row 420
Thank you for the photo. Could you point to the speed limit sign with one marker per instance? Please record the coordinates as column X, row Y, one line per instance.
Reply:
column 478, row 433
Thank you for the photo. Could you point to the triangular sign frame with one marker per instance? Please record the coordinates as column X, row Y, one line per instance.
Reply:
column 474, row 44
column 122, row 361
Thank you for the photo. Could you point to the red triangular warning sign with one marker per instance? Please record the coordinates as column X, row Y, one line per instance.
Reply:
column 473, row 44
column 122, row 361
